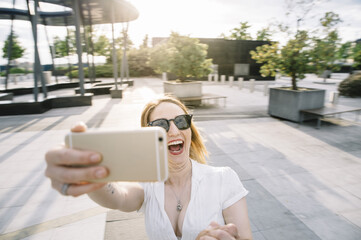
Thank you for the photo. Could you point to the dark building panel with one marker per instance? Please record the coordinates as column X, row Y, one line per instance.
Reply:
column 231, row 56
column 228, row 53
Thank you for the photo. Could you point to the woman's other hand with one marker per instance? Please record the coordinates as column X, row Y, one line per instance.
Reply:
column 70, row 180
column 216, row 231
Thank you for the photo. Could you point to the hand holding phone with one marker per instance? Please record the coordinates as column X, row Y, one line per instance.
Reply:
column 130, row 155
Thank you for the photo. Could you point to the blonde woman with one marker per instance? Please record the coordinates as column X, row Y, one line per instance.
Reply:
column 197, row 201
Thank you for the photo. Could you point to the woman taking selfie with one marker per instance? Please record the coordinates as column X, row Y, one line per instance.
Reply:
column 197, row 201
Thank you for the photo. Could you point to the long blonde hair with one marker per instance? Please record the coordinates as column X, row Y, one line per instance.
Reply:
column 198, row 151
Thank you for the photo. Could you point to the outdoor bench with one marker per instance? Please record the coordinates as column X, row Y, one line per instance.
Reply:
column 196, row 101
column 328, row 110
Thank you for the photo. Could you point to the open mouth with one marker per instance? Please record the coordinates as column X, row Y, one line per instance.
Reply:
column 175, row 147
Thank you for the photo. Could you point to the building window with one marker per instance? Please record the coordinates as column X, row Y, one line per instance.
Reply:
column 241, row 69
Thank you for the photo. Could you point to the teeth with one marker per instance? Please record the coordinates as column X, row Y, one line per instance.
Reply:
column 175, row 143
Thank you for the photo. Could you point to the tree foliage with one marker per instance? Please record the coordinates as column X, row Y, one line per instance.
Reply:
column 264, row 34
column 181, row 55
column 356, row 55
column 160, row 56
column 344, row 52
column 291, row 59
column 325, row 48
column 145, row 41
column 102, row 46
column 138, row 61
column 65, row 47
column 240, row 33
column 17, row 51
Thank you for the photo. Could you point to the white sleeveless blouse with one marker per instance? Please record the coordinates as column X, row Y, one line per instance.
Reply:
column 213, row 190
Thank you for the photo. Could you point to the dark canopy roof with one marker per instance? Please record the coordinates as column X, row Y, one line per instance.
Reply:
column 100, row 12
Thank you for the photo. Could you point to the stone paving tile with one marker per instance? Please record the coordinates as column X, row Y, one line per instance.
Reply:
column 258, row 236
column 122, row 225
column 293, row 231
column 353, row 216
column 333, row 228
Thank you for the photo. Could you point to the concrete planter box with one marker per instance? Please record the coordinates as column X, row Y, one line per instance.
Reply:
column 183, row 89
column 285, row 103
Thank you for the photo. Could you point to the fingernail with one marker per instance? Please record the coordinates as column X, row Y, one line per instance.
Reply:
column 100, row 173
column 94, row 158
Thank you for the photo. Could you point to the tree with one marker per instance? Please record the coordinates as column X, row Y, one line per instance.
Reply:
column 344, row 52
column 145, row 42
column 17, row 51
column 356, row 55
column 102, row 46
column 138, row 60
column 183, row 56
column 120, row 47
column 65, row 47
column 240, row 33
column 264, row 34
column 291, row 59
column 325, row 49
column 159, row 58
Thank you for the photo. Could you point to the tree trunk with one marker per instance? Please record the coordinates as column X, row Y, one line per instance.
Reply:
column 294, row 84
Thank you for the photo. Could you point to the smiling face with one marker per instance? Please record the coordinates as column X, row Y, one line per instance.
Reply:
column 179, row 141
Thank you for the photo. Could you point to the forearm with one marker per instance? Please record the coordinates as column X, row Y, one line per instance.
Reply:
column 123, row 196
column 108, row 196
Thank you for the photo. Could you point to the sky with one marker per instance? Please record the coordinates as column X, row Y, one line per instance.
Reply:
column 199, row 18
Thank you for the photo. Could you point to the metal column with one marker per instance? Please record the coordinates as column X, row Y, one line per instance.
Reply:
column 10, row 47
column 78, row 46
column 115, row 63
column 124, row 66
column 38, row 72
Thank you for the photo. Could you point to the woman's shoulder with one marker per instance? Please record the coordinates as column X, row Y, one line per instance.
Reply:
column 208, row 170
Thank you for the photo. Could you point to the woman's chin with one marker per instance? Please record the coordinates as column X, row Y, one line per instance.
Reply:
column 178, row 158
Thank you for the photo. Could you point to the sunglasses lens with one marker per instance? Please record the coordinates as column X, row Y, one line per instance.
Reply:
column 161, row 123
column 182, row 122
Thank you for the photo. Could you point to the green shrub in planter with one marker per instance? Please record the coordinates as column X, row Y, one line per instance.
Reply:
column 19, row 71
column 100, row 71
column 104, row 71
column 351, row 86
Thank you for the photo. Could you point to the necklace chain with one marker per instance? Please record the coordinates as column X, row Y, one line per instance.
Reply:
column 179, row 205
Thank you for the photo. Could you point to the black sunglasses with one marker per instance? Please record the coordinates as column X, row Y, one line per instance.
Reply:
column 182, row 122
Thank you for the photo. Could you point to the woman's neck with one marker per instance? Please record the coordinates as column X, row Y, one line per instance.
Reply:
column 179, row 173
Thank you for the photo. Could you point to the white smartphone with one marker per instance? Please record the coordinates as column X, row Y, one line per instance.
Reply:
column 130, row 155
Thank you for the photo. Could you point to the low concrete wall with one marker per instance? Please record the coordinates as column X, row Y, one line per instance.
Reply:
column 20, row 108
column 6, row 96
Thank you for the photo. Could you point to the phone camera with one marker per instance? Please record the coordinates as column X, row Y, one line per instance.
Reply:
column 160, row 139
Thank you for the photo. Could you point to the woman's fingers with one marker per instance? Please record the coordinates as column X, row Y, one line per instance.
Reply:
column 216, row 231
column 75, row 175
column 77, row 189
column 68, row 156
column 231, row 229
column 213, row 225
column 71, row 170
column 220, row 234
column 79, row 127
column 207, row 238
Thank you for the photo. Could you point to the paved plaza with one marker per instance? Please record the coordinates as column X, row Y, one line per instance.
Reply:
column 304, row 183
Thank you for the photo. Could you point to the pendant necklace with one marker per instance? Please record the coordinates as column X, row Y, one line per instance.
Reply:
column 179, row 205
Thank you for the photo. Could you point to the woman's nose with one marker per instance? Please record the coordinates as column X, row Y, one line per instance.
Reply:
column 173, row 130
